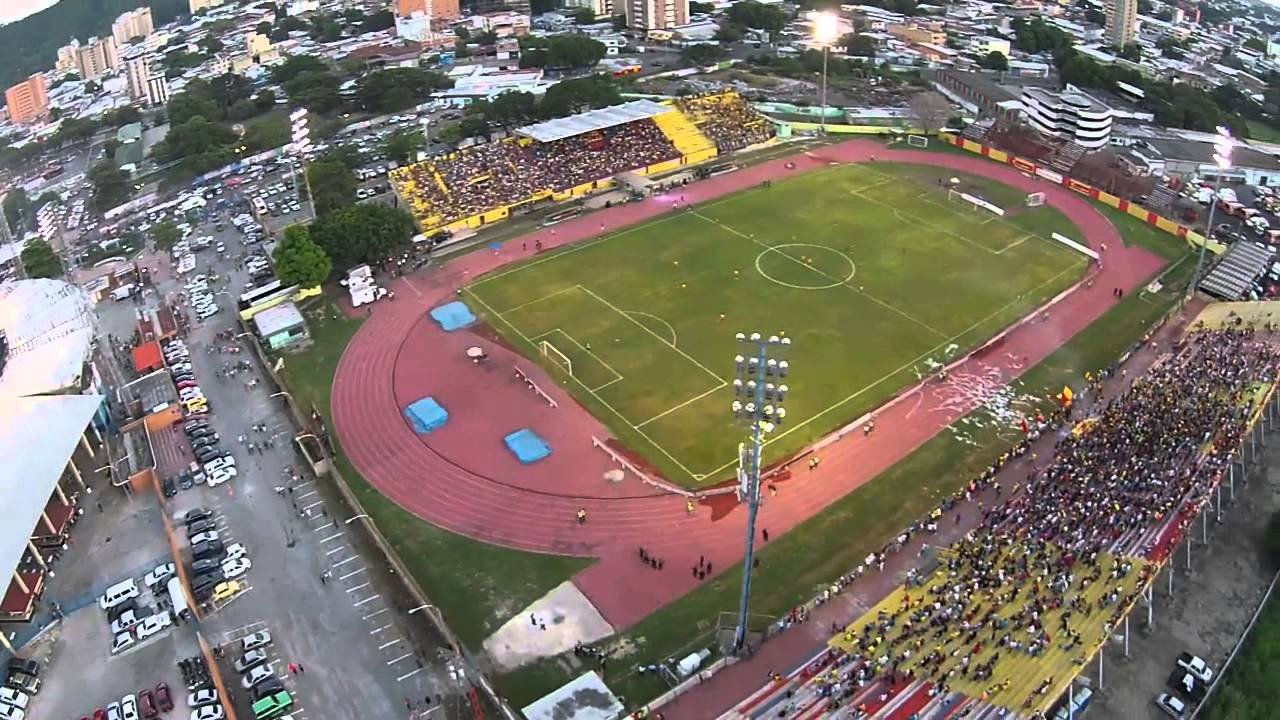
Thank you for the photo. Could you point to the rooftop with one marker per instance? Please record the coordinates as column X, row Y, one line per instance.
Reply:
column 561, row 128
column 49, row 328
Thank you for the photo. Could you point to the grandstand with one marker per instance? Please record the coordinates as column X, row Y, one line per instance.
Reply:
column 572, row 157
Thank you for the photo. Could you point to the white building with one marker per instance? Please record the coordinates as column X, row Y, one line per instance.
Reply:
column 1071, row 115
column 132, row 24
column 146, row 81
column 602, row 8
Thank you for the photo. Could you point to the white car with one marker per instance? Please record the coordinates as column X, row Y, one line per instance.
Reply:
column 9, row 712
column 207, row 313
column 123, row 642
column 218, row 477
column 204, row 537
column 160, row 574
column 200, row 698
column 235, row 550
column 153, row 625
column 113, row 711
column 126, row 620
column 256, row 675
column 218, row 463
column 1171, row 705
column 129, row 707
column 251, row 659
column 235, row 567
column 208, row 712
column 256, row 640
column 19, row 699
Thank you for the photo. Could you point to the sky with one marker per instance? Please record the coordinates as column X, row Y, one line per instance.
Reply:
column 14, row 10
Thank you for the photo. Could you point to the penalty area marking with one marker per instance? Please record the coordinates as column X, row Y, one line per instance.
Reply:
column 655, row 317
column 853, row 269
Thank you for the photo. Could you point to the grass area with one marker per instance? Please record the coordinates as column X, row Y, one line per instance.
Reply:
column 644, row 318
column 477, row 586
column 1249, row 691
column 797, row 566
column 1263, row 132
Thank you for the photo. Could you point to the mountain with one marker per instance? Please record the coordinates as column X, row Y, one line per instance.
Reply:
column 31, row 44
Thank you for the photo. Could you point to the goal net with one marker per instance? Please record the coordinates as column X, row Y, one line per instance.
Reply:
column 553, row 353
column 918, row 141
column 1035, row 199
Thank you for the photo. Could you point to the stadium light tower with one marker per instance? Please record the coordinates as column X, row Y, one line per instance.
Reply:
column 757, row 402
column 1222, row 146
column 826, row 30
column 299, row 146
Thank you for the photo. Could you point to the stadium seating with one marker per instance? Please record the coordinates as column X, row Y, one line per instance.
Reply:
column 686, row 136
column 727, row 119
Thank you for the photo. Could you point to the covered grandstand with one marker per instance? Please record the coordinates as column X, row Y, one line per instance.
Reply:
column 572, row 157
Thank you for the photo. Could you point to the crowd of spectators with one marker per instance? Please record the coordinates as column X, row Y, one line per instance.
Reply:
column 485, row 177
column 727, row 119
column 1057, row 553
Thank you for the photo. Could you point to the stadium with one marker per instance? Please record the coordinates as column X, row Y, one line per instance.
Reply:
column 568, row 393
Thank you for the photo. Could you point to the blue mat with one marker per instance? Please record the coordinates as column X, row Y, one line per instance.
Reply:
column 453, row 316
column 426, row 415
column 527, row 446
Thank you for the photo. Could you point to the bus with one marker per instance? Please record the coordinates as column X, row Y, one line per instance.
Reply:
column 52, row 171
column 255, row 295
column 265, row 297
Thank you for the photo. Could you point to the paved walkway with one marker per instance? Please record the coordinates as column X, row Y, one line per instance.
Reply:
column 458, row 479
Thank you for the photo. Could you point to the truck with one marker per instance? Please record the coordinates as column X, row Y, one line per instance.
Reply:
column 362, row 286
column 1196, row 666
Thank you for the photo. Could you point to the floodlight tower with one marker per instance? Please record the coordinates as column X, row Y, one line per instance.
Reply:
column 1222, row 146
column 826, row 30
column 299, row 146
column 758, row 403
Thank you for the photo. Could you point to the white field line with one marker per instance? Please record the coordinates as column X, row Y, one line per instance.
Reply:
column 690, row 401
column 655, row 335
column 535, row 301
column 616, row 375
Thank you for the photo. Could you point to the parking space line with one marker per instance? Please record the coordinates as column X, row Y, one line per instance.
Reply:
column 314, row 504
column 344, row 562
column 402, row 678
column 388, row 644
column 324, row 527
column 378, row 630
column 353, row 572
column 358, row 587
column 375, row 613
column 337, row 549
column 299, row 486
column 334, row 536
column 402, row 657
column 371, row 597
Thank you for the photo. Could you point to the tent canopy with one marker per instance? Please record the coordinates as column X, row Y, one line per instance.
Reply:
column 147, row 357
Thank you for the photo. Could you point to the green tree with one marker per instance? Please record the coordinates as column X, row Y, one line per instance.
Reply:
column 263, row 28
column 346, row 155
column 381, row 20
column 751, row 14
column 1039, row 36
column 994, row 60
column 402, row 144
column 371, row 232
column 702, row 54
column 1131, row 52
column 295, row 65
column 18, row 205
column 186, row 105
column 40, row 261
column 165, row 234
column 584, row 16
column 1256, row 43
column 333, row 186
column 570, row 97
column 266, row 133
column 299, row 260
column 396, row 89
column 511, row 109
column 701, row 8
column 316, row 90
column 858, row 45
column 560, row 51
column 111, row 186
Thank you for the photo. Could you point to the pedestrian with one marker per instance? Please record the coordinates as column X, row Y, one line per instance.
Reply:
column 660, row 564
column 301, row 669
column 293, row 668
column 533, row 619
column 688, row 506
column 100, row 507
column 765, row 533
column 324, row 579
column 542, row 627
column 582, row 516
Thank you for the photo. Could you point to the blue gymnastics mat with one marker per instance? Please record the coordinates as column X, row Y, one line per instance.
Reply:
column 527, row 446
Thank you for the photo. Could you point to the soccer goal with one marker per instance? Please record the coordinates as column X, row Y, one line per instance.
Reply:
column 1035, row 199
column 553, row 353
column 918, row 141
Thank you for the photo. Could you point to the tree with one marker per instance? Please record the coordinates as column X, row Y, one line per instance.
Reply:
column 1131, row 52
column 299, row 260
column 511, row 109
column 570, row 97
column 18, row 205
column 396, row 89
column 333, row 186
column 316, row 90
column 109, row 147
column 263, row 28
column 295, row 65
column 858, row 45
column 702, row 54
column 1256, row 43
column 1039, row 36
column 371, row 232
column 931, row 110
column 994, row 60
column 584, row 16
column 381, row 20
column 701, row 8
column 402, row 144
column 619, row 23
column 111, row 186
column 165, row 234
column 40, row 261
column 751, row 14
column 560, row 51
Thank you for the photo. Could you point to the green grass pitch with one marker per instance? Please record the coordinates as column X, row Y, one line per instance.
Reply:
column 871, row 270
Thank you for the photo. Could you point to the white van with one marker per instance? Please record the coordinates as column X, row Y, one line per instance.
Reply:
column 123, row 292
column 118, row 594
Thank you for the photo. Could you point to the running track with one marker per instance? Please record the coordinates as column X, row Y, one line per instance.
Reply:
column 462, row 479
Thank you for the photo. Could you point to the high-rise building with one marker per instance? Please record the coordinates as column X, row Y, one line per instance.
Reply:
column 602, row 8
column 196, row 6
column 66, row 62
column 27, row 101
column 657, row 14
column 1122, row 22
column 133, row 24
column 97, row 58
column 517, row 6
column 434, row 9
column 146, row 81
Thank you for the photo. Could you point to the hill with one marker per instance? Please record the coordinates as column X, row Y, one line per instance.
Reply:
column 32, row 43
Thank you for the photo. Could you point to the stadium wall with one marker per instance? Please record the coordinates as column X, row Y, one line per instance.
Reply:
column 843, row 129
column 1151, row 218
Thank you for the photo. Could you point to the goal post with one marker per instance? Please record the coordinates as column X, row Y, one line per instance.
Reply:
column 1035, row 199
column 552, row 353
column 918, row 141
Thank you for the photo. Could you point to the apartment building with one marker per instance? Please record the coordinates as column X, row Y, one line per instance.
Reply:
column 66, row 62
column 147, row 83
column 1071, row 115
column 918, row 34
column 1122, row 22
column 196, row 6
column 602, row 8
column 434, row 9
column 656, row 14
column 27, row 101
column 133, row 24
column 98, row 58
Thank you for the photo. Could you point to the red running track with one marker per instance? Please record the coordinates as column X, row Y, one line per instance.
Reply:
column 461, row 477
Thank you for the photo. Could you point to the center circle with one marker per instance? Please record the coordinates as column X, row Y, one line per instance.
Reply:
column 802, row 259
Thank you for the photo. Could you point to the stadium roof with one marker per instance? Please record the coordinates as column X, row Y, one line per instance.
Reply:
column 37, row 437
column 561, row 128
column 48, row 326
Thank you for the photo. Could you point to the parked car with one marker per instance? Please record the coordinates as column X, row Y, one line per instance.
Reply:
column 164, row 700
column 256, row 640
column 1196, row 666
column 256, row 675
column 160, row 574
column 1171, row 705
column 202, row 697
column 251, row 659
column 196, row 515
column 226, row 590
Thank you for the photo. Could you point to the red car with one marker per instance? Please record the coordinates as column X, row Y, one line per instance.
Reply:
column 147, row 704
column 100, row 714
column 163, row 701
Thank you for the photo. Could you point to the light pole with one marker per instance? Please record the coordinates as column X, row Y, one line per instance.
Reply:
column 826, row 28
column 762, row 411
column 351, row 520
column 1222, row 146
column 300, row 143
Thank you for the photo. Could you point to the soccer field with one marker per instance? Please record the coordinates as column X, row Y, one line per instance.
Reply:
column 871, row 270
